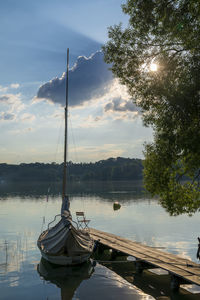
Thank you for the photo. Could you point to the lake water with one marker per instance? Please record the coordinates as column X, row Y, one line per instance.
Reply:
column 25, row 211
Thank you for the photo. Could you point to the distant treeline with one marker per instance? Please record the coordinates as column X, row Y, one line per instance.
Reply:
column 110, row 169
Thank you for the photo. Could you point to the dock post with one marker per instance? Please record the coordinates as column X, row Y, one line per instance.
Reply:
column 139, row 267
column 100, row 248
column 175, row 282
column 114, row 254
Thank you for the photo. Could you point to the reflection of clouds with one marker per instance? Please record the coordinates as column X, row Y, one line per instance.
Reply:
column 106, row 280
column 19, row 224
column 13, row 281
column 180, row 248
column 142, row 220
column 93, row 207
column 139, row 219
column 13, row 253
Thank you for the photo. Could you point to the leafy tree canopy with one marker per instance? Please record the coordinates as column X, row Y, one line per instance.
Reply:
column 166, row 33
column 119, row 168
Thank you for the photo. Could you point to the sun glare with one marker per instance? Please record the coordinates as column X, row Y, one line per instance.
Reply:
column 153, row 67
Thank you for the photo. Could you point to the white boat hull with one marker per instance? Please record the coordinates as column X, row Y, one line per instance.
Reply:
column 66, row 260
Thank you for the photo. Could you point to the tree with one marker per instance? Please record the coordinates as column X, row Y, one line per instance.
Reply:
column 166, row 33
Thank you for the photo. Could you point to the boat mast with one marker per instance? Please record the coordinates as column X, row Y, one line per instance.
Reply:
column 65, row 137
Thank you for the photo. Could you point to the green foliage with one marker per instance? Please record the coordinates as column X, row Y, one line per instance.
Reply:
column 166, row 33
column 111, row 169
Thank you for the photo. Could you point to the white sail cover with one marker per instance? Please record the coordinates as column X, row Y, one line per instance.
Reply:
column 64, row 238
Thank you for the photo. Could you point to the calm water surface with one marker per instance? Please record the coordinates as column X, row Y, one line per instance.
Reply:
column 25, row 212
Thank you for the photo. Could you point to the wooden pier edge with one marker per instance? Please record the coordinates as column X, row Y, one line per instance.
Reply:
column 181, row 270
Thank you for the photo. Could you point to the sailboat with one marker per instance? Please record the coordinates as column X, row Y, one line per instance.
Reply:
column 65, row 244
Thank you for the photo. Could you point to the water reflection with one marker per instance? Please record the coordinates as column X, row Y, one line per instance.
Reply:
column 67, row 279
column 140, row 218
column 112, row 189
column 12, row 255
column 82, row 282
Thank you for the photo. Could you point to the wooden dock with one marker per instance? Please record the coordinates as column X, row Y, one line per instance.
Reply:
column 182, row 270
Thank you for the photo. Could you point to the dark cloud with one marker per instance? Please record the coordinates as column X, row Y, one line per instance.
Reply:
column 7, row 116
column 121, row 106
column 88, row 79
column 4, row 98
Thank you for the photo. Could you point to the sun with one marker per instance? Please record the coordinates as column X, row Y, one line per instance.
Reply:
column 153, row 67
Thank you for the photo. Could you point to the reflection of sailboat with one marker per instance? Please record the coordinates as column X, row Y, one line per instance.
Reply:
column 67, row 279
column 63, row 244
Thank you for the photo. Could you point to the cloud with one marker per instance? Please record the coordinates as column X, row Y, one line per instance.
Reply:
column 12, row 101
column 4, row 98
column 21, row 131
column 11, row 106
column 7, row 116
column 93, row 121
column 14, row 85
column 88, row 79
column 98, row 97
column 4, row 89
column 94, row 153
column 121, row 105
column 27, row 117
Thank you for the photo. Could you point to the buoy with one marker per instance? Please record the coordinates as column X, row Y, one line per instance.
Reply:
column 116, row 205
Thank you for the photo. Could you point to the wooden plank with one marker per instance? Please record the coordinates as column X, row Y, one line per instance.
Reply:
column 142, row 252
column 155, row 254
column 166, row 266
column 137, row 246
column 152, row 251
column 172, row 263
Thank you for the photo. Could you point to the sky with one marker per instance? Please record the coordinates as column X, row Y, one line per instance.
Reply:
column 103, row 121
